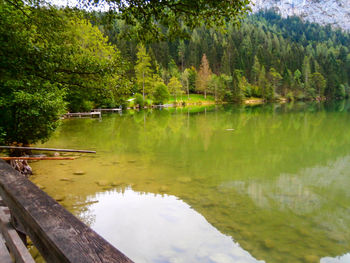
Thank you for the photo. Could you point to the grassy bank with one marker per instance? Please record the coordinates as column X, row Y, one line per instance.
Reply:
column 198, row 100
column 192, row 99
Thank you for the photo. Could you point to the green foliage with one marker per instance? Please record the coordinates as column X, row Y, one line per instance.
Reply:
column 275, row 83
column 172, row 18
column 255, row 70
column 295, row 50
column 340, row 92
column 143, row 71
column 173, row 69
column 186, row 81
column 175, row 87
column 218, row 85
column 50, row 57
column 139, row 100
column 318, row 83
column 101, row 81
column 192, row 78
column 27, row 117
column 161, row 94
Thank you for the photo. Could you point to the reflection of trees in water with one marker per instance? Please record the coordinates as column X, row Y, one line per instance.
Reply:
column 276, row 183
column 286, row 219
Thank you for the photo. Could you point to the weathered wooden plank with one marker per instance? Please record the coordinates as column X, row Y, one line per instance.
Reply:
column 83, row 113
column 13, row 241
column 46, row 149
column 4, row 253
column 57, row 234
column 5, row 158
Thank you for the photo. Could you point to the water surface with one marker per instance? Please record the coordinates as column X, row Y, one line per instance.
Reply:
column 218, row 184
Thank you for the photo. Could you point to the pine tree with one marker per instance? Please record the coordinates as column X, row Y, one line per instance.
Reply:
column 306, row 74
column 262, row 81
column 275, row 81
column 318, row 83
column 238, row 88
column 255, row 70
column 181, row 53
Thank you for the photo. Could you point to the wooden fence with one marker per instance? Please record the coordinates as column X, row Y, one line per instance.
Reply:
column 56, row 233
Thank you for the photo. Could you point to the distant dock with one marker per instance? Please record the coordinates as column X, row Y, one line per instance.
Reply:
column 95, row 114
column 107, row 110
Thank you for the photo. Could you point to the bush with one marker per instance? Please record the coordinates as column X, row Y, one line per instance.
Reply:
column 161, row 94
column 340, row 92
column 290, row 96
column 30, row 117
column 123, row 103
column 139, row 100
column 87, row 106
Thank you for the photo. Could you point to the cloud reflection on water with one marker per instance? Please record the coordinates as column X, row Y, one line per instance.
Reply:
column 161, row 228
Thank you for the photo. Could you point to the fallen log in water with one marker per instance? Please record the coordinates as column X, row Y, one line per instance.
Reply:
column 45, row 149
column 37, row 158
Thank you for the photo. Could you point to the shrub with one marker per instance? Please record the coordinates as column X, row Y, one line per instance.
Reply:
column 161, row 94
column 139, row 100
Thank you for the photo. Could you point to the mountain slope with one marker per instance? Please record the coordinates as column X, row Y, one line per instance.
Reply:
column 333, row 12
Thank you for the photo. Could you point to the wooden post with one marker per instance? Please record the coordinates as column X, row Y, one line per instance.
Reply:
column 13, row 240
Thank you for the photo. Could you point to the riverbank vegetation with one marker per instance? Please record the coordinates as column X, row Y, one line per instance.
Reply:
column 52, row 60
column 65, row 59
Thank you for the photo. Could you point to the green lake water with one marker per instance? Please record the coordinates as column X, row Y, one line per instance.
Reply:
column 217, row 184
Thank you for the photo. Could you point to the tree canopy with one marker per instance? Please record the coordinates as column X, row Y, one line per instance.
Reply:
column 48, row 57
column 160, row 19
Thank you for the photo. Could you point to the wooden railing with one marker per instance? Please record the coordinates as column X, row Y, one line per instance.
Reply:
column 56, row 233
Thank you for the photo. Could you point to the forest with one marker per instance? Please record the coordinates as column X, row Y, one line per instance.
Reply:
column 67, row 59
column 266, row 57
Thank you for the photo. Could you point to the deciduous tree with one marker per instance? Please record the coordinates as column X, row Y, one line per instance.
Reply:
column 175, row 86
column 143, row 70
column 47, row 55
column 203, row 76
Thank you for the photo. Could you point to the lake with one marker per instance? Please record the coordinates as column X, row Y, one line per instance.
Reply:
column 211, row 184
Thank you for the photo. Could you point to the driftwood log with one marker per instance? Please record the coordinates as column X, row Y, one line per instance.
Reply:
column 45, row 149
column 5, row 158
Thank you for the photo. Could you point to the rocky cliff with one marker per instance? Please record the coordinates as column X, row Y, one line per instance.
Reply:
column 333, row 12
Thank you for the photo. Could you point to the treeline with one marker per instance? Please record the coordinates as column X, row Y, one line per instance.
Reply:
column 267, row 57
